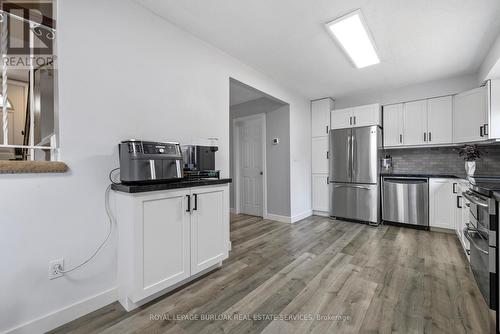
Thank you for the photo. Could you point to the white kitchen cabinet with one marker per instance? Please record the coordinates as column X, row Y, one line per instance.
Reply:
column 367, row 115
column 207, row 228
column 342, row 118
column 320, row 117
column 470, row 116
column 168, row 237
column 359, row 116
column 320, row 155
column 440, row 120
column 441, row 203
column 320, row 193
column 415, row 122
column 162, row 250
column 494, row 102
column 393, row 125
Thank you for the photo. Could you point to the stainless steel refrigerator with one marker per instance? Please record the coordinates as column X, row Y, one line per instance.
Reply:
column 354, row 173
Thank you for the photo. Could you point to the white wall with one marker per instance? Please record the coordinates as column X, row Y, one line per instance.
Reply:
column 490, row 68
column 123, row 72
column 408, row 93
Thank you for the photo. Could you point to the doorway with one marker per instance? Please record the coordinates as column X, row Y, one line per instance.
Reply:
column 259, row 153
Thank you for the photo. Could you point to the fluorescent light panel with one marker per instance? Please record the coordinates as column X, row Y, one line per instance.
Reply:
column 351, row 33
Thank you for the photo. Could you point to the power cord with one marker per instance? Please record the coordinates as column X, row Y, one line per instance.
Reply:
column 111, row 221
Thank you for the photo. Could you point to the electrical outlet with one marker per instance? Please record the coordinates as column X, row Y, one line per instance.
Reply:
column 54, row 267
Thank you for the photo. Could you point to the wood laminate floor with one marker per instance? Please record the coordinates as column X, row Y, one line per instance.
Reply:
column 316, row 276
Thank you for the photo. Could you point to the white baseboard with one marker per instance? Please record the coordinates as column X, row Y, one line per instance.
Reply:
column 64, row 315
column 301, row 216
column 321, row 213
column 278, row 218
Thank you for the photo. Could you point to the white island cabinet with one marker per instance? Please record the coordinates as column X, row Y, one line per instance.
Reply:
column 167, row 238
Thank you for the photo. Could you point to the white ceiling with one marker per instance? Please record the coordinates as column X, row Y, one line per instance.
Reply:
column 417, row 41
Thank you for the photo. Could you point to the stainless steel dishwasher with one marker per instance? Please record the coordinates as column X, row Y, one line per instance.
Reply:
column 405, row 200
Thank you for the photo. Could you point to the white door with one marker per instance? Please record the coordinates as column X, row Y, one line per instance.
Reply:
column 415, row 122
column 163, row 257
column 342, row 118
column 393, row 125
column 207, row 228
column 366, row 115
column 320, row 117
column 250, row 139
column 320, row 155
column 320, row 200
column 440, row 120
column 441, row 203
column 470, row 115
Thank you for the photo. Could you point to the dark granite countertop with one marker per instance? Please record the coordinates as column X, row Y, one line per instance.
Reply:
column 444, row 176
column 140, row 188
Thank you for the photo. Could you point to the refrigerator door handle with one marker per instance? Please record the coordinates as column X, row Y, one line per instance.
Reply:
column 353, row 143
column 348, row 160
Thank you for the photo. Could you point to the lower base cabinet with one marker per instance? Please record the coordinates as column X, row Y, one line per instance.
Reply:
column 167, row 238
column 320, row 194
column 442, row 202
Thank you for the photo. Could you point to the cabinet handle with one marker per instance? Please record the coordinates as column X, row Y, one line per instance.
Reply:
column 354, row 120
column 425, row 136
column 195, row 202
column 328, row 154
column 327, row 180
column 189, row 203
column 350, row 120
column 458, row 202
column 481, row 131
column 485, row 129
column 400, row 139
column 327, row 129
column 430, row 136
column 454, row 188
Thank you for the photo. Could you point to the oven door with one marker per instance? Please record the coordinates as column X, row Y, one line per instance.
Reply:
column 479, row 258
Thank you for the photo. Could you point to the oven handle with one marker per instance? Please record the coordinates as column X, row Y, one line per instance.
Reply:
column 468, row 237
column 475, row 200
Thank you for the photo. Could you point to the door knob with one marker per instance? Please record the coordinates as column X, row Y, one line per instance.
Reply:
column 261, row 173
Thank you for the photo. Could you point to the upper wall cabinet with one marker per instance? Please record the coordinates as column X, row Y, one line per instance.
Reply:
column 393, row 125
column 320, row 117
column 439, row 120
column 415, row 123
column 419, row 123
column 494, row 102
column 470, row 115
column 366, row 115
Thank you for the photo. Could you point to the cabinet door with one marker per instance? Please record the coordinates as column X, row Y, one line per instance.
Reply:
column 441, row 203
column 209, row 221
column 321, row 194
column 366, row 115
column 415, row 122
column 163, row 244
column 342, row 118
column 470, row 115
column 393, row 125
column 440, row 120
column 320, row 117
column 320, row 155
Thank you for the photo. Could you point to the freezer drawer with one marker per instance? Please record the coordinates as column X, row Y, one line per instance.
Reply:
column 355, row 201
column 405, row 200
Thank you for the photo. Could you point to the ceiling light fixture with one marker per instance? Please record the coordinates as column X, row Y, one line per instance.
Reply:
column 352, row 34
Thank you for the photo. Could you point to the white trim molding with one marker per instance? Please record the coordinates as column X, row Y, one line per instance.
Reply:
column 301, row 216
column 278, row 218
column 320, row 213
column 66, row 314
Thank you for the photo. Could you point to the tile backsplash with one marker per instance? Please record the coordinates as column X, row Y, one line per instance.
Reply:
column 443, row 160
